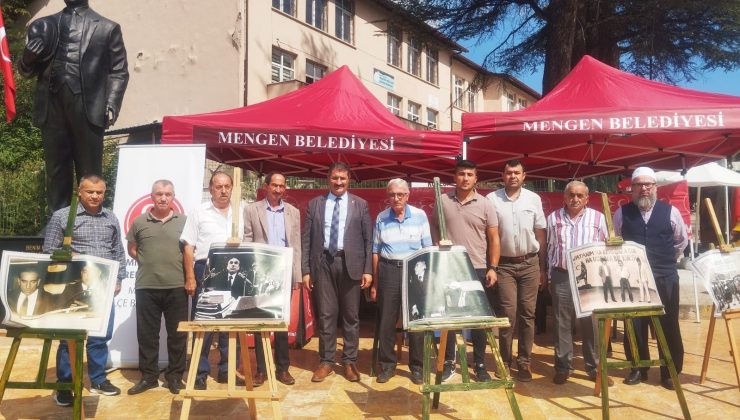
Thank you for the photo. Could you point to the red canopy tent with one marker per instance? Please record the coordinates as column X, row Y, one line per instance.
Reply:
column 302, row 132
column 599, row 120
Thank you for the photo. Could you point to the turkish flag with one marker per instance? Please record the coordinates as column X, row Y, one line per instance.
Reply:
column 7, row 70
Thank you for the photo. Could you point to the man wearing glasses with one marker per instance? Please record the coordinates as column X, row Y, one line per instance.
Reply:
column 659, row 227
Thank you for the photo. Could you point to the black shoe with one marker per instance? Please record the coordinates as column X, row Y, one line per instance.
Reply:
column 105, row 388
column 560, row 378
column 64, row 398
column 481, row 375
column 385, row 376
column 200, row 384
column 667, row 383
column 635, row 377
column 448, row 372
column 223, row 378
column 175, row 386
column 142, row 386
column 523, row 374
column 416, row 377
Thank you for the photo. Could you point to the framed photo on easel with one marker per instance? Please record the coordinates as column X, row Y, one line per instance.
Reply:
column 720, row 274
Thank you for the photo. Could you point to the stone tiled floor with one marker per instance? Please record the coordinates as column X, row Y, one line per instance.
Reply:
column 717, row 398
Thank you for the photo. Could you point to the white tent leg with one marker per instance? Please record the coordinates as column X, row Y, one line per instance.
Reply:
column 693, row 280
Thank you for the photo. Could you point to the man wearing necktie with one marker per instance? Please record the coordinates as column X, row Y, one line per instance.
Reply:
column 231, row 279
column 31, row 299
column 337, row 263
column 80, row 61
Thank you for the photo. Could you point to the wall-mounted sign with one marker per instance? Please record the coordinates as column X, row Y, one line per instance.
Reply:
column 384, row 79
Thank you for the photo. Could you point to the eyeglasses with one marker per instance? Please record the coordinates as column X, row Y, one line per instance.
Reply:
column 645, row 185
column 397, row 195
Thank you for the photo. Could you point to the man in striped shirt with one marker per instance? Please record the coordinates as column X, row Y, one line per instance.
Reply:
column 400, row 230
column 568, row 227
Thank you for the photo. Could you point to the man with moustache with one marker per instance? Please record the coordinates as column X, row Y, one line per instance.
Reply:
column 96, row 232
column 275, row 222
column 569, row 227
column 154, row 243
column 337, row 262
column 472, row 222
column 400, row 230
column 659, row 227
column 208, row 224
column 523, row 263
column 31, row 299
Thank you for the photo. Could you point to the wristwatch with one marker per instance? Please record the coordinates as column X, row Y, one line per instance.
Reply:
column 492, row 267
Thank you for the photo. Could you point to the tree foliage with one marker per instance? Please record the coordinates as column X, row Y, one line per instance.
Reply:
column 668, row 40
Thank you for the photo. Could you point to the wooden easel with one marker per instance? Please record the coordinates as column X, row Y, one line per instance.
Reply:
column 200, row 328
column 604, row 318
column 75, row 342
column 431, row 391
column 728, row 315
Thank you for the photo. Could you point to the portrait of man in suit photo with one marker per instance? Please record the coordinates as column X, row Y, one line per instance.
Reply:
column 28, row 297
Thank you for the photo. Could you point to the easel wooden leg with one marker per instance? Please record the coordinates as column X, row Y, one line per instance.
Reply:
column 75, row 360
column 670, row 365
column 708, row 347
column 440, row 365
column 272, row 380
column 603, row 373
column 9, row 365
column 427, row 373
column 603, row 339
column 192, row 374
column 729, row 316
column 503, row 373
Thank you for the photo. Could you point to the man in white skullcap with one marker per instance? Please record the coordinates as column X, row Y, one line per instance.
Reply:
column 659, row 227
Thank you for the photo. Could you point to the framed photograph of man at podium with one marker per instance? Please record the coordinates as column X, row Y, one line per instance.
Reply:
column 249, row 282
column 440, row 287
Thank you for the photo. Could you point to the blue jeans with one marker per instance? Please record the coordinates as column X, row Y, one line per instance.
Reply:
column 97, row 357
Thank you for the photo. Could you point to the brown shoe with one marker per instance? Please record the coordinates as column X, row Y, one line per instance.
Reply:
column 284, row 377
column 259, row 378
column 351, row 373
column 324, row 370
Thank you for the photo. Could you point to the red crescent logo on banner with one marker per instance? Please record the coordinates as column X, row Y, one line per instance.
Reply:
column 142, row 205
column 4, row 53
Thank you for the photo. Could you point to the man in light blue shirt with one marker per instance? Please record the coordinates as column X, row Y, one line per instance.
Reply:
column 400, row 230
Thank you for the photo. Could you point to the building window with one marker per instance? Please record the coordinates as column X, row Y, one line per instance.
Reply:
column 316, row 13
column 394, row 46
column 510, row 101
column 394, row 104
column 521, row 103
column 470, row 93
column 344, row 14
column 414, row 57
column 414, row 111
column 432, row 116
column 283, row 65
column 285, row 6
column 432, row 65
column 314, row 71
column 458, row 92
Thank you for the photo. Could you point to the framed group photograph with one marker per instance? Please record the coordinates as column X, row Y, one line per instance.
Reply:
column 720, row 274
column 246, row 283
column 441, row 286
column 37, row 292
column 611, row 277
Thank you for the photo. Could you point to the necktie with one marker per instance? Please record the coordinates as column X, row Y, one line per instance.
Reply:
column 231, row 279
column 334, row 230
column 24, row 305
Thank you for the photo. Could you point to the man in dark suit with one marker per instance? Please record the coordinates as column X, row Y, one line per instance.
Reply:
column 275, row 222
column 337, row 261
column 31, row 300
column 232, row 279
column 79, row 59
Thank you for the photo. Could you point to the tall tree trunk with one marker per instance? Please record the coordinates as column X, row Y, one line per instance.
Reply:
column 560, row 28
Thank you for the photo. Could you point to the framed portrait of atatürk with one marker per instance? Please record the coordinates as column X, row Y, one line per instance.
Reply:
column 249, row 282
column 440, row 286
column 720, row 274
column 611, row 277
column 37, row 292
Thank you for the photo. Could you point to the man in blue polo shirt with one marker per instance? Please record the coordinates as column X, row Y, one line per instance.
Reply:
column 400, row 230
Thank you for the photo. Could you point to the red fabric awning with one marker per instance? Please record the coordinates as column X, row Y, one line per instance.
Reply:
column 302, row 132
column 599, row 120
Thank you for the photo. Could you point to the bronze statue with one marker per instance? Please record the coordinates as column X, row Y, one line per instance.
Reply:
column 79, row 59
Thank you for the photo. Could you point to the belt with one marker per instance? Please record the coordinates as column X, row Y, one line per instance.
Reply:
column 516, row 260
column 339, row 253
column 395, row 263
column 560, row 270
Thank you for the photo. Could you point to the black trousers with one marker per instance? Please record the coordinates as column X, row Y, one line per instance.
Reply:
column 151, row 304
column 478, row 336
column 69, row 139
column 668, row 290
column 337, row 297
column 282, row 356
column 389, row 305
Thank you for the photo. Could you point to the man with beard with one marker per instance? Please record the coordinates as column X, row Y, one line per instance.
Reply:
column 659, row 227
